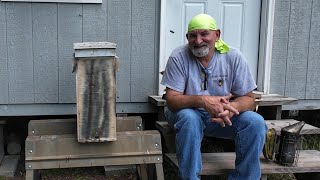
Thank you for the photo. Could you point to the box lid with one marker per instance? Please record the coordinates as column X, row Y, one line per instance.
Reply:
column 94, row 45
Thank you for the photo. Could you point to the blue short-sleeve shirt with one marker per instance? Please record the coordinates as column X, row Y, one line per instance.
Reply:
column 227, row 73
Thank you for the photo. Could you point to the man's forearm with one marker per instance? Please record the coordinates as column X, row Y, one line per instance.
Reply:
column 244, row 103
column 180, row 101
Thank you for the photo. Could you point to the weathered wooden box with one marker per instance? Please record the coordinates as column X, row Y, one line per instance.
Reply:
column 96, row 63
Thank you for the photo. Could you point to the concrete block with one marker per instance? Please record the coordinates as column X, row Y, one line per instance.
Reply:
column 9, row 165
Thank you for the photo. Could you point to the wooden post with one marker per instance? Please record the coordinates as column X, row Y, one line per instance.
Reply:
column 96, row 91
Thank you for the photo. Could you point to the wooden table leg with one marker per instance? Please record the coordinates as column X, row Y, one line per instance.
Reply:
column 264, row 177
column 32, row 174
column 142, row 171
column 159, row 170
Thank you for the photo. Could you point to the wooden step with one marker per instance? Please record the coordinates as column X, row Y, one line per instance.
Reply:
column 168, row 134
column 165, row 128
column 64, row 151
column 268, row 105
column 223, row 163
column 69, row 126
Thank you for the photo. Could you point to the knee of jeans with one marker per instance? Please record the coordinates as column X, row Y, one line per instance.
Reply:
column 189, row 119
column 255, row 121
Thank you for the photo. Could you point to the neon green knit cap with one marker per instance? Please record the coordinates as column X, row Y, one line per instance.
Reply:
column 204, row 21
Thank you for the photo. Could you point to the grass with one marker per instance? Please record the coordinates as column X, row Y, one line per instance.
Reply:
column 311, row 142
column 281, row 177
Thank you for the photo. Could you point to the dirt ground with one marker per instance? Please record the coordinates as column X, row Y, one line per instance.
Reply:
column 87, row 173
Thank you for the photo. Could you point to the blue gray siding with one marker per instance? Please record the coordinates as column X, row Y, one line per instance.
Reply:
column 296, row 49
column 36, row 47
column 313, row 75
column 4, row 93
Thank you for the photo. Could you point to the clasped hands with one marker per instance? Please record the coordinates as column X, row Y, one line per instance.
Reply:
column 220, row 109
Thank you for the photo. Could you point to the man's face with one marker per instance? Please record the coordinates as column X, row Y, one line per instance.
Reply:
column 201, row 42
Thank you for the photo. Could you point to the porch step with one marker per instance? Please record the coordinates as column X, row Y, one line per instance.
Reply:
column 223, row 163
column 165, row 128
column 168, row 134
column 52, row 143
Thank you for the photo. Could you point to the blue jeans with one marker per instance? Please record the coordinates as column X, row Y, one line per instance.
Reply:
column 248, row 130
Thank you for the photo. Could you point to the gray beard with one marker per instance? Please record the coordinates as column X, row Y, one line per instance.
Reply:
column 200, row 52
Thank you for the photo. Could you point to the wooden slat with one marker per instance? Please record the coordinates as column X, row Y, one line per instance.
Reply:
column 94, row 161
column 222, row 163
column 299, row 31
column 262, row 100
column 69, row 32
column 69, row 126
column 143, row 75
column 96, row 98
column 278, row 124
column 94, row 45
column 313, row 80
column 271, row 100
column 45, row 52
column 95, row 22
column 20, row 58
column 52, row 127
column 119, row 15
column 64, row 147
column 3, row 58
column 164, row 127
column 129, row 123
column 157, row 101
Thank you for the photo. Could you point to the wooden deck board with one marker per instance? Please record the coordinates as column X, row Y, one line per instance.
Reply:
column 222, row 163
column 278, row 124
column 164, row 127
column 262, row 100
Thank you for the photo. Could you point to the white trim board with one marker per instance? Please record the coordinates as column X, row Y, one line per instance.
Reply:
column 162, row 46
column 265, row 49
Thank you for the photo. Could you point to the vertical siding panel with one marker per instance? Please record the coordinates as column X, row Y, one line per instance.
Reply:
column 20, row 58
column 297, row 52
column 280, row 46
column 45, row 52
column 313, row 80
column 4, row 93
column 94, row 22
column 119, row 32
column 69, row 32
column 143, row 50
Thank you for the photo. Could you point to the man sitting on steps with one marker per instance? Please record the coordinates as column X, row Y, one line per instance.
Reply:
column 200, row 79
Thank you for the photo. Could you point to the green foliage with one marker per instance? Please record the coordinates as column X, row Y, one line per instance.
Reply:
column 311, row 142
column 281, row 177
